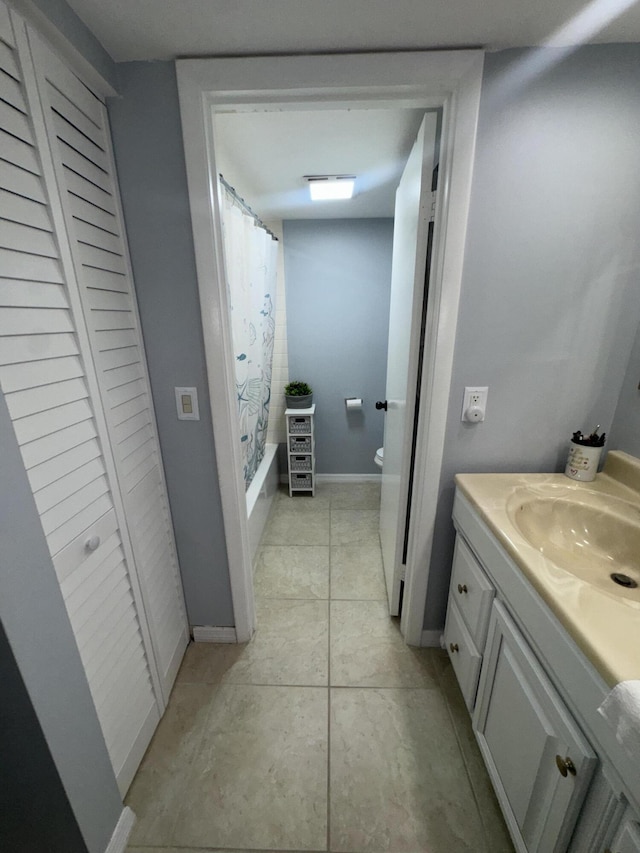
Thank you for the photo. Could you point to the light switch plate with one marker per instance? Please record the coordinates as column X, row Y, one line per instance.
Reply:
column 187, row 404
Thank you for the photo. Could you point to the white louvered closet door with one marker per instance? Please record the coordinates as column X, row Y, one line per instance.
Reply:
column 78, row 128
column 47, row 376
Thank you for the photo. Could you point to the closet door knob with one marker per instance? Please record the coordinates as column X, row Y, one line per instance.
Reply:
column 454, row 647
column 381, row 405
column 462, row 588
column 93, row 543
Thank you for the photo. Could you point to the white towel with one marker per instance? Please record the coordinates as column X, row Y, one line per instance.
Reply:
column 621, row 709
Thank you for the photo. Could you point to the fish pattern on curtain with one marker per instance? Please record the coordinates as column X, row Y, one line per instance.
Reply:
column 250, row 255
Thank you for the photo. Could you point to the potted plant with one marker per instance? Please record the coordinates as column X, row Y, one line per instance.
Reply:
column 299, row 395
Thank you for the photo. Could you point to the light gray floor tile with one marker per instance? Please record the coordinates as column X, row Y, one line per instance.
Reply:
column 260, row 777
column 356, row 571
column 354, row 525
column 292, row 571
column 158, row 787
column 207, row 663
column 290, row 645
column 367, row 649
column 304, row 501
column 398, row 782
column 497, row 836
column 355, row 495
column 295, row 527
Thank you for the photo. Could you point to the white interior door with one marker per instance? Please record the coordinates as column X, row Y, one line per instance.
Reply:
column 411, row 223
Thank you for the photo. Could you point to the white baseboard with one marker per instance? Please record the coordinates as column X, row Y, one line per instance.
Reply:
column 121, row 833
column 211, row 634
column 340, row 478
column 432, row 640
column 348, row 478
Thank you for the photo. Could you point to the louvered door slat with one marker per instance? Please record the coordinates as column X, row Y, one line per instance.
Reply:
column 68, row 485
column 45, row 422
column 27, row 239
column 54, row 404
column 83, row 211
column 21, row 321
column 92, row 235
column 79, row 142
column 21, row 182
column 35, row 373
column 44, row 449
column 50, row 472
column 36, row 348
column 18, row 209
column 20, row 153
column 63, row 107
column 15, row 122
column 24, row 265
column 7, row 61
column 32, row 400
column 23, row 293
column 12, row 93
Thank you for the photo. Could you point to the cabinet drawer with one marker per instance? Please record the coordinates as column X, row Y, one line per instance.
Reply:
column 465, row 658
column 472, row 591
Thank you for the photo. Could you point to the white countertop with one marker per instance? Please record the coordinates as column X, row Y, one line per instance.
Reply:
column 605, row 625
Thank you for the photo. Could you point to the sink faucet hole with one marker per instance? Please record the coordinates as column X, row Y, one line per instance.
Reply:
column 623, row 580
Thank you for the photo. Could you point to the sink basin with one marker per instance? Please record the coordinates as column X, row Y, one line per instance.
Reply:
column 591, row 535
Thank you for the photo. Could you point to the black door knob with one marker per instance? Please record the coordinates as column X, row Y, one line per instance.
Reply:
column 381, row 405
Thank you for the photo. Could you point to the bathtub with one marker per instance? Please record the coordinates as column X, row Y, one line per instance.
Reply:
column 260, row 495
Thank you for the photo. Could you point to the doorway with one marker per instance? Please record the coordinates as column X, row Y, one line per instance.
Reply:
column 447, row 80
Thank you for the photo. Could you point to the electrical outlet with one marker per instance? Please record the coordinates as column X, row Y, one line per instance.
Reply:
column 474, row 404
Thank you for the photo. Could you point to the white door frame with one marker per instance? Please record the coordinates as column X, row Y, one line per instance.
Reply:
column 447, row 79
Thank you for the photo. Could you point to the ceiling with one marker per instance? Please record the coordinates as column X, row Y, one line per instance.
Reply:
column 164, row 29
column 265, row 156
column 373, row 144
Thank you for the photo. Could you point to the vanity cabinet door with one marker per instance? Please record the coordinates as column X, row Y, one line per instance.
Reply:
column 627, row 839
column 539, row 761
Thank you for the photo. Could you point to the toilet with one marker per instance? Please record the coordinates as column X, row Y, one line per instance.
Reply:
column 379, row 457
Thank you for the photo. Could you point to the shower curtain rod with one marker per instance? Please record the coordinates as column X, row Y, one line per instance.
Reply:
column 243, row 204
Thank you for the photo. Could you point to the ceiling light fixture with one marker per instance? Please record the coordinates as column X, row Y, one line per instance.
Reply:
column 331, row 187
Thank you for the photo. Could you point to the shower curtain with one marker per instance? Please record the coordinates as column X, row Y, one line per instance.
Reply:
column 250, row 255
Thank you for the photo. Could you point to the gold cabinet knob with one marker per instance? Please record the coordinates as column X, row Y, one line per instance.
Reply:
column 462, row 587
column 565, row 766
column 453, row 647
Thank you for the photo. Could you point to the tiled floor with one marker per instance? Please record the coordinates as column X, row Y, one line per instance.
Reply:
column 325, row 732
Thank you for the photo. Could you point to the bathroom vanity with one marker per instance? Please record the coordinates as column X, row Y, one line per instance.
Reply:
column 537, row 645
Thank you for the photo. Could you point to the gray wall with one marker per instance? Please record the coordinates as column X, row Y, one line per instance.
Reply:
column 65, row 20
column 338, row 277
column 625, row 432
column 66, row 788
column 147, row 138
column 550, row 298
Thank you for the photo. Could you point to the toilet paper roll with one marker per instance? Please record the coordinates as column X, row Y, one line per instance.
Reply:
column 354, row 404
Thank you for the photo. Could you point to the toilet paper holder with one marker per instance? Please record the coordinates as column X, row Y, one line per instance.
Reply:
column 353, row 404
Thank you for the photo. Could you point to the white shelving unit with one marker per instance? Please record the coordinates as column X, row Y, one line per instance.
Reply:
column 301, row 450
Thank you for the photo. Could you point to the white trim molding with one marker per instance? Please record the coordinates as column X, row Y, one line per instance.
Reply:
column 124, row 827
column 213, row 634
column 449, row 80
column 341, row 478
